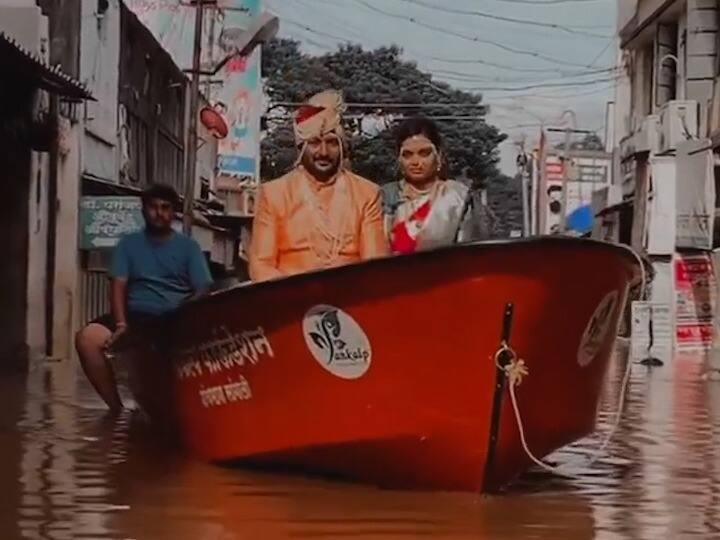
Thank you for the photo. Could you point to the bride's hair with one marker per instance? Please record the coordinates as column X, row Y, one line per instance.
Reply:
column 418, row 125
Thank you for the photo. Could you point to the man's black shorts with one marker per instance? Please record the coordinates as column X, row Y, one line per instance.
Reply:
column 134, row 319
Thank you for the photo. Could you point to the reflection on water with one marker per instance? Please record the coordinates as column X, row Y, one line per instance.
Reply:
column 69, row 472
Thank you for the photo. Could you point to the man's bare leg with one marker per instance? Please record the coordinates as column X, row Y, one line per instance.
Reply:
column 90, row 343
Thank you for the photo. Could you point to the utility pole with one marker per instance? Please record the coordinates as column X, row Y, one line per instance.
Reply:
column 210, row 47
column 525, row 196
column 536, row 168
column 566, row 166
column 191, row 161
column 566, row 162
column 262, row 30
column 522, row 165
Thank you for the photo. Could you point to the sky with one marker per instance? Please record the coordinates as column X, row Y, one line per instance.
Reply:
column 532, row 60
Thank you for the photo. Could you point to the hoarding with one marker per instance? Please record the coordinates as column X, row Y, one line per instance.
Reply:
column 695, row 301
column 103, row 220
column 239, row 96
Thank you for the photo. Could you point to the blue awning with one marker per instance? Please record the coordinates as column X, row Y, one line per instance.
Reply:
column 581, row 219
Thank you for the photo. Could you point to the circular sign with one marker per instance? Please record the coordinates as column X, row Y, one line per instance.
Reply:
column 337, row 342
column 596, row 329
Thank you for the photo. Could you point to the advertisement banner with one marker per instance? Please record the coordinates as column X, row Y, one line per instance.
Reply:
column 553, row 210
column 695, row 300
column 238, row 97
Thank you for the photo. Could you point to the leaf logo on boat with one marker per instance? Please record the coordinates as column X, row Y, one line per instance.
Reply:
column 337, row 341
column 596, row 330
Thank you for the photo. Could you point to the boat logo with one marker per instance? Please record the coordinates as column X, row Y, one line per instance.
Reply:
column 337, row 341
column 596, row 329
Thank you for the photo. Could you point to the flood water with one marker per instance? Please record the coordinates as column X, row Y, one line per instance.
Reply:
column 66, row 471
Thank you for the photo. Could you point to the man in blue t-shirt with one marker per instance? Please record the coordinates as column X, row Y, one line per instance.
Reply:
column 153, row 271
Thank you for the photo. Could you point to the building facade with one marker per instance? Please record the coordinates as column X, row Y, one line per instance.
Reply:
column 80, row 165
column 39, row 138
column 666, row 145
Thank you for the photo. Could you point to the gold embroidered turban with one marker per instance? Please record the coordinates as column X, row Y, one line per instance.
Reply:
column 320, row 115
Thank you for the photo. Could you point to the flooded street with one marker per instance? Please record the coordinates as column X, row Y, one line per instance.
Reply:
column 69, row 472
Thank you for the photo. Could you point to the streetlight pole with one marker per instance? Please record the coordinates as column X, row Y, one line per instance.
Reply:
column 522, row 165
column 262, row 30
column 566, row 167
column 566, row 161
column 191, row 161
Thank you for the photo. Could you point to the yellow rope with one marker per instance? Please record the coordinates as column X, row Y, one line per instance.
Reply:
column 516, row 370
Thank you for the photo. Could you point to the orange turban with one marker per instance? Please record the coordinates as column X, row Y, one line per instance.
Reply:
column 320, row 115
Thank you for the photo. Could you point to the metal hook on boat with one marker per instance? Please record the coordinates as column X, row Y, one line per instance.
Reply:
column 515, row 368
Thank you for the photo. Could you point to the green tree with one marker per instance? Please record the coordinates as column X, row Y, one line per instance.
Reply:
column 378, row 76
column 591, row 141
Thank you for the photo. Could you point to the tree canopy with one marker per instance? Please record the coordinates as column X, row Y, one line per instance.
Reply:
column 591, row 141
column 379, row 76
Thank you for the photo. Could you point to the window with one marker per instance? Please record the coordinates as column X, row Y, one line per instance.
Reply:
column 666, row 63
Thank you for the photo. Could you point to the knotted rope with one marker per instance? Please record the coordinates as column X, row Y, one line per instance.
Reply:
column 516, row 369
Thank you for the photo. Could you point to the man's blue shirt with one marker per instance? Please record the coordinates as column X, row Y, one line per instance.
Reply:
column 161, row 274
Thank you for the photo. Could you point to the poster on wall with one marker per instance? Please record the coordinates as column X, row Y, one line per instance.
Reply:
column 239, row 96
column 695, row 301
column 660, row 218
column 553, row 209
column 652, row 331
column 695, row 195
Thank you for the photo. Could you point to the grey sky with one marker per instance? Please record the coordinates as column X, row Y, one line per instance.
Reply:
column 586, row 45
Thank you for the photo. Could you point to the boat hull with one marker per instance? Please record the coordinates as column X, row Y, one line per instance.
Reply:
column 385, row 371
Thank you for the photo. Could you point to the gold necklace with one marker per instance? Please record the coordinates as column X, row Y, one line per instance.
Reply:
column 320, row 217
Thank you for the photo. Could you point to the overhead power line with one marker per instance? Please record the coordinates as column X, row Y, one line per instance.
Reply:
column 546, row 2
column 393, row 105
column 312, row 30
column 460, row 76
column 474, row 39
column 534, row 86
column 350, row 30
column 502, row 18
column 472, row 89
column 599, row 55
column 474, row 117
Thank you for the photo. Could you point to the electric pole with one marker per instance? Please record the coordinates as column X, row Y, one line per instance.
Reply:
column 191, row 161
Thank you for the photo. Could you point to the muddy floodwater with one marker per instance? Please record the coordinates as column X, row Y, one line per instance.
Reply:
column 67, row 471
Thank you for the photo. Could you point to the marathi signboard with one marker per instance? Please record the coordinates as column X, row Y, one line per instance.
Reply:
column 592, row 169
column 584, row 176
column 239, row 97
column 652, row 331
column 553, row 168
column 695, row 300
column 103, row 220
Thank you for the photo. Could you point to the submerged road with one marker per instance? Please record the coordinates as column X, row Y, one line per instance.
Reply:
column 67, row 471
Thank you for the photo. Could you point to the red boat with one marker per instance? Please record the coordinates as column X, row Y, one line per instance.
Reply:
column 389, row 371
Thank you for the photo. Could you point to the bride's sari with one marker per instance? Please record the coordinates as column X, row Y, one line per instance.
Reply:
column 417, row 220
